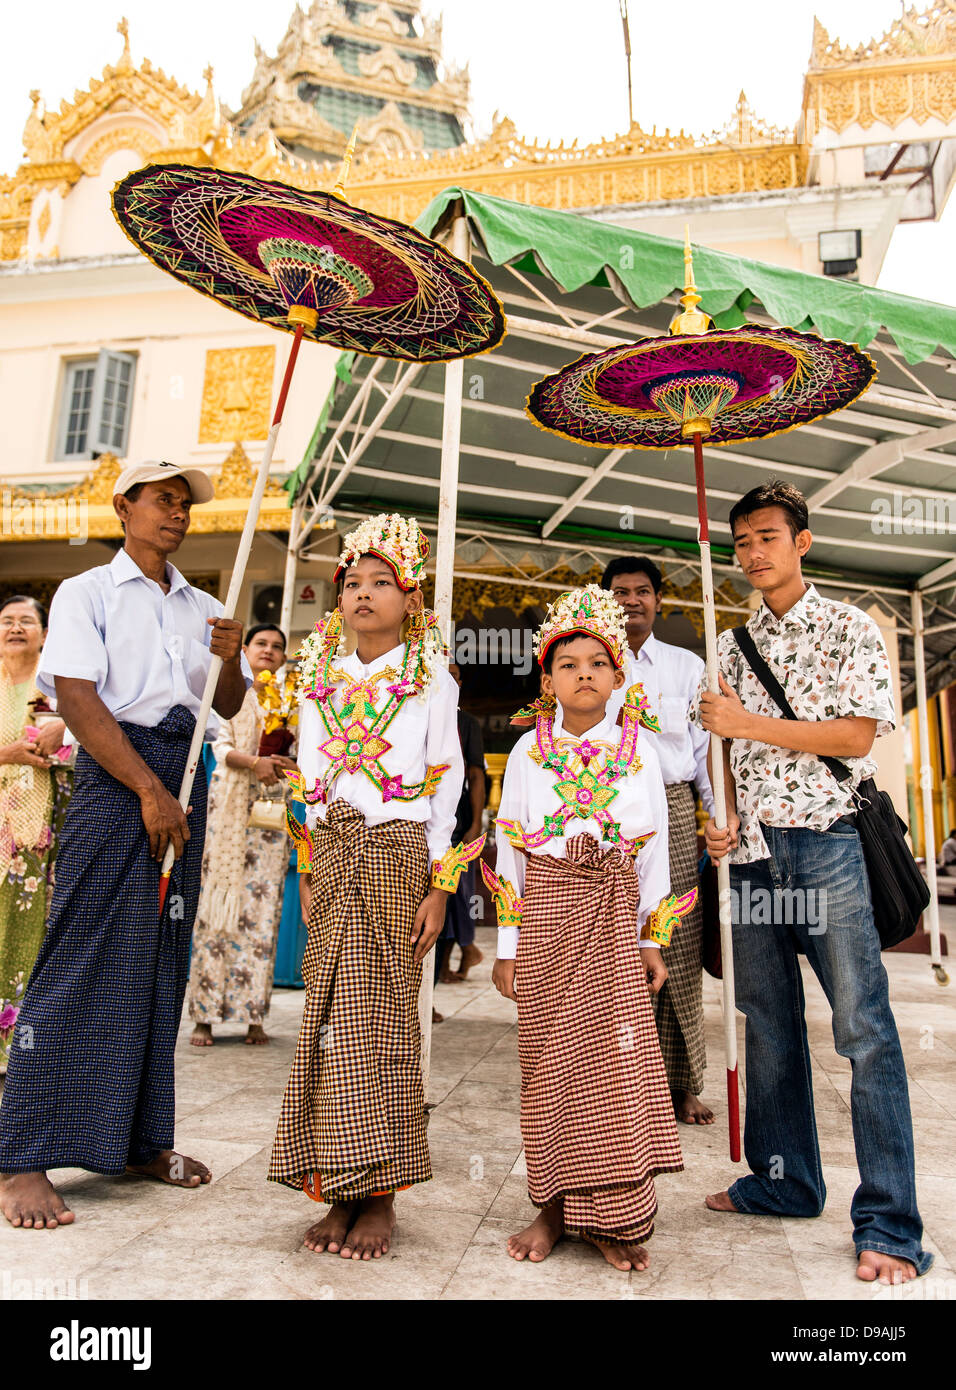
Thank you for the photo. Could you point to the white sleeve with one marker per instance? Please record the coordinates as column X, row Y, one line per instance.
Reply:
column 653, row 862
column 442, row 745
column 511, row 863
column 308, row 757
column 224, row 742
column 75, row 644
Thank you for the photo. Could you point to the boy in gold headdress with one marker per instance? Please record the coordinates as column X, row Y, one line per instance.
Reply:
column 380, row 772
column 582, row 889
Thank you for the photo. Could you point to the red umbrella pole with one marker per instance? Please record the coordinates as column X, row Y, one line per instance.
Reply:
column 232, row 598
column 720, row 811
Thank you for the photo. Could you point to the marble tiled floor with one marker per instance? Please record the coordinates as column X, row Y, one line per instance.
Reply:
column 240, row 1238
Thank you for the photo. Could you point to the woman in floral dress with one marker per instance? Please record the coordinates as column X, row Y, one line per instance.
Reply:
column 244, row 865
column 34, row 790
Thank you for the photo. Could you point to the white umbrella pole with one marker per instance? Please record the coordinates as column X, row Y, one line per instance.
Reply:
column 444, row 580
column 720, row 815
column 229, row 606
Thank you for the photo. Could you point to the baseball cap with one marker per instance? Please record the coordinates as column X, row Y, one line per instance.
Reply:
column 155, row 470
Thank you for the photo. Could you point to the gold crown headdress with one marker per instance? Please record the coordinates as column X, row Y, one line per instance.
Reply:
column 397, row 540
column 588, row 612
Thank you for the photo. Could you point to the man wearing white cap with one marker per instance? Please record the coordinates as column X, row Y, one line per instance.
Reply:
column 90, row 1080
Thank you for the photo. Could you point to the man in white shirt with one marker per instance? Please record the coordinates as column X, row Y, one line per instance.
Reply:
column 90, row 1081
column 670, row 676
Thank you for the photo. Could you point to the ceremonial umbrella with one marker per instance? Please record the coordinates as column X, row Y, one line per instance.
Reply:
column 700, row 383
column 311, row 264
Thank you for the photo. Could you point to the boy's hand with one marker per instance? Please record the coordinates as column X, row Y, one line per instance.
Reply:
column 429, row 920
column 721, row 842
column 724, row 714
column 503, row 978
column 655, row 967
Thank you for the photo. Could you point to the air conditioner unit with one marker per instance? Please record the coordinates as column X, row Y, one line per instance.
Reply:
column 311, row 601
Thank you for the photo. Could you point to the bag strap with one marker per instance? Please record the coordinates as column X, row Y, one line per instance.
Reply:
column 776, row 692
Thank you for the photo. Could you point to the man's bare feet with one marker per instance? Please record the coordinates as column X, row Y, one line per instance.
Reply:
column 448, row 977
column 888, row 1269
column 256, row 1035
column 537, row 1241
column 30, row 1200
column 329, row 1233
column 371, row 1232
column 173, row 1168
column 622, row 1254
column 690, row 1109
column 470, row 955
column 719, row 1201
column 202, row 1035
column 436, row 1016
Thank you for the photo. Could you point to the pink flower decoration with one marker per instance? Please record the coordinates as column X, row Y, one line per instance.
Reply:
column 587, row 751
column 320, row 692
column 391, row 786
column 8, row 1017
column 401, row 688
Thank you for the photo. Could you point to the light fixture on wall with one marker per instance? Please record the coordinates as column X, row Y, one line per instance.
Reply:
column 840, row 252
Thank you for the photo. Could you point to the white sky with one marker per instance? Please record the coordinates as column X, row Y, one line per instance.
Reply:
column 555, row 66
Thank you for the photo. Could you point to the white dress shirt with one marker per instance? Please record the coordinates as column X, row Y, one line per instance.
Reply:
column 671, row 677
column 528, row 795
column 146, row 651
column 424, row 733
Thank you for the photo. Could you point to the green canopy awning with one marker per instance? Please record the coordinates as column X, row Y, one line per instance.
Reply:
column 577, row 251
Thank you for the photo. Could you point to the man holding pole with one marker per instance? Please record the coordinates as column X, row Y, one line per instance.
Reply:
column 90, row 1081
column 799, row 886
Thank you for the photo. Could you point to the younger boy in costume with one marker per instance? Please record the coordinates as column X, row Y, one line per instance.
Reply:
column 381, row 773
column 582, row 889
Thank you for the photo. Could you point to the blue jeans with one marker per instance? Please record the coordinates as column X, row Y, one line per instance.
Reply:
column 835, row 928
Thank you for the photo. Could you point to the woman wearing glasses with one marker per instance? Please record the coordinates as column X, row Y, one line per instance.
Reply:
column 34, row 789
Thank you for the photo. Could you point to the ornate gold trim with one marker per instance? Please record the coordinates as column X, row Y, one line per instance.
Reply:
column 91, row 514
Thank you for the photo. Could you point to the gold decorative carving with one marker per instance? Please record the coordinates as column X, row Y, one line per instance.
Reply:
column 916, row 33
column 91, row 506
column 131, row 137
column 237, row 477
column 237, row 394
column 373, row 65
column 44, row 220
column 908, row 74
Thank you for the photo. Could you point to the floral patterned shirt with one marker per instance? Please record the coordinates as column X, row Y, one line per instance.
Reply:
column 830, row 659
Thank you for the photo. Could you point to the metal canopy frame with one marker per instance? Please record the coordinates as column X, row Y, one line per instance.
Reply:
column 900, row 436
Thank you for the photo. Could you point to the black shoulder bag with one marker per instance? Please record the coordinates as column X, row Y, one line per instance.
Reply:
column 897, row 888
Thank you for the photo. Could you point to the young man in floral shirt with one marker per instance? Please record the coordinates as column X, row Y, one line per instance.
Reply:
column 799, row 885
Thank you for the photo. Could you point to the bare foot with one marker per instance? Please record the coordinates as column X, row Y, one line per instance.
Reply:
column 202, row 1035
column 329, row 1233
column 30, row 1200
column 888, row 1269
column 256, row 1035
column 719, row 1201
column 690, row 1109
column 371, row 1234
column 470, row 955
column 448, row 978
column 437, row 1017
column 538, row 1240
column 173, row 1168
column 622, row 1254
